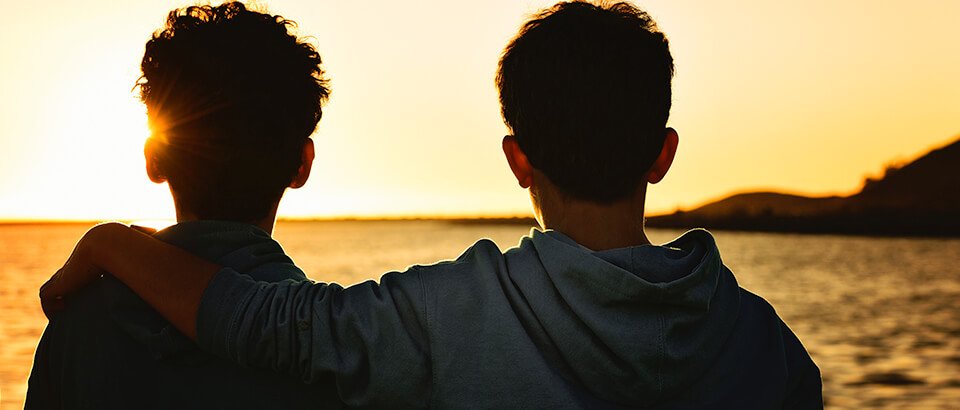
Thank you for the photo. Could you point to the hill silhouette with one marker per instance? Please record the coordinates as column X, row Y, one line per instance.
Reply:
column 920, row 198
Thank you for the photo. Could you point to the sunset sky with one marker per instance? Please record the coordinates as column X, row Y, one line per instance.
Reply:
column 799, row 96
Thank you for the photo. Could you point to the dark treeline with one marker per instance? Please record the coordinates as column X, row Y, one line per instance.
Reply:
column 921, row 198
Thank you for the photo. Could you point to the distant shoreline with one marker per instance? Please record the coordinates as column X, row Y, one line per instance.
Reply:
column 871, row 226
column 744, row 225
column 918, row 199
column 46, row 222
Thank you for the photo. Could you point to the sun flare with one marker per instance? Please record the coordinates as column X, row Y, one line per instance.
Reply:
column 816, row 109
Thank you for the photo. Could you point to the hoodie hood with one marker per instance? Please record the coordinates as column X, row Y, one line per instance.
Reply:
column 242, row 247
column 633, row 325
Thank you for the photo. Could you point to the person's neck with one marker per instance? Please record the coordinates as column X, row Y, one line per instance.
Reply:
column 266, row 223
column 596, row 226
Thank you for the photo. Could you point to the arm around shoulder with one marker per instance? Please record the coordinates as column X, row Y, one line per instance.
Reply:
column 370, row 336
column 170, row 279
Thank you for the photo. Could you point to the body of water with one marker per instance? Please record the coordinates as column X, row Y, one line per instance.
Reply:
column 880, row 316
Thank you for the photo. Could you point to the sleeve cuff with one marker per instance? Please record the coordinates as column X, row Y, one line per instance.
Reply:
column 218, row 315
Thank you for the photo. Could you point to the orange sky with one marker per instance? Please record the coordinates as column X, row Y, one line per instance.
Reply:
column 804, row 96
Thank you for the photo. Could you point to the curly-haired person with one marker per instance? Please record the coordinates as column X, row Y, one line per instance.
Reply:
column 583, row 313
column 232, row 98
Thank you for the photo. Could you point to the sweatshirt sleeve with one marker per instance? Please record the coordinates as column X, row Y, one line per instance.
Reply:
column 371, row 337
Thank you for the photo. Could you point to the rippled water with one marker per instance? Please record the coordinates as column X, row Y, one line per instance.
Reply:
column 880, row 316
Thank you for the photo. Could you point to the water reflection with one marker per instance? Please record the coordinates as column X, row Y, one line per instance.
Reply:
column 878, row 315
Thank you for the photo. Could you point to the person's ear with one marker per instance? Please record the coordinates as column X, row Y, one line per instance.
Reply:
column 151, row 150
column 662, row 164
column 306, row 164
column 518, row 161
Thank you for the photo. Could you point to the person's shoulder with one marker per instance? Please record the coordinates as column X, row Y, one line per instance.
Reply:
column 473, row 267
column 803, row 372
column 759, row 317
column 84, row 311
column 480, row 256
column 757, row 304
column 243, row 247
column 89, row 303
column 76, row 341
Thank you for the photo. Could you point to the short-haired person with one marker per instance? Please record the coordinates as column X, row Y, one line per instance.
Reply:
column 232, row 98
column 583, row 313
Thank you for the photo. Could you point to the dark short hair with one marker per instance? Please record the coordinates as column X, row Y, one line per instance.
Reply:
column 232, row 95
column 585, row 89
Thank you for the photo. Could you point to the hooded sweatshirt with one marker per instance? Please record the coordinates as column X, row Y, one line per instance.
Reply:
column 109, row 350
column 548, row 324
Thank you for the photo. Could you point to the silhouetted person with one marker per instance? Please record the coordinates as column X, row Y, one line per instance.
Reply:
column 232, row 98
column 584, row 313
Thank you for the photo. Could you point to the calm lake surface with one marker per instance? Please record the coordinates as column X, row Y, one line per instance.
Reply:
column 880, row 316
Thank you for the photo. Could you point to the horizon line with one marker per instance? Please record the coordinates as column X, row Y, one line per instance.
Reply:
column 343, row 218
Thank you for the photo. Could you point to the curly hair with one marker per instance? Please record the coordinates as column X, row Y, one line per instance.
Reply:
column 232, row 95
column 585, row 89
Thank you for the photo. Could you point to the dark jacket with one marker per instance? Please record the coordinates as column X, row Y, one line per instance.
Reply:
column 109, row 350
